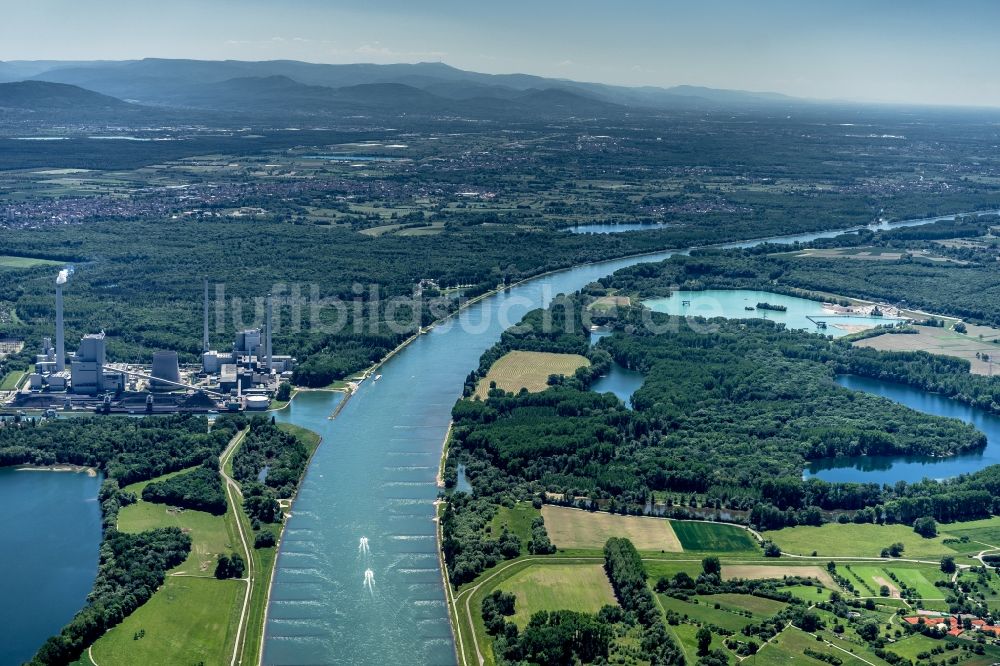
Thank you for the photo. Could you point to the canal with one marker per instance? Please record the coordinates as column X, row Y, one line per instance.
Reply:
column 338, row 599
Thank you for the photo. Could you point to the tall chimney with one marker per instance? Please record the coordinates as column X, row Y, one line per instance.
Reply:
column 60, row 340
column 204, row 344
column 268, row 339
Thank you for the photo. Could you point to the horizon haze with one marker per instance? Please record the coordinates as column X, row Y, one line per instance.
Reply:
column 927, row 54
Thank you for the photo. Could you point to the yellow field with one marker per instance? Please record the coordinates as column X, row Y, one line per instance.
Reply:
column 761, row 571
column 940, row 341
column 523, row 369
column 580, row 587
column 573, row 528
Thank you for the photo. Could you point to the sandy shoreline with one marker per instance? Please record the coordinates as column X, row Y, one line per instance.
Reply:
column 90, row 471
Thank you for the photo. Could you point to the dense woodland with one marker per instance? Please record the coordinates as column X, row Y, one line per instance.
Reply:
column 200, row 489
column 127, row 282
column 731, row 411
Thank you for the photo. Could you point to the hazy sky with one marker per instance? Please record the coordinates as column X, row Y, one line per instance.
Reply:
column 944, row 52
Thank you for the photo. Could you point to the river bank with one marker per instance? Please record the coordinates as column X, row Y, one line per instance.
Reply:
column 377, row 475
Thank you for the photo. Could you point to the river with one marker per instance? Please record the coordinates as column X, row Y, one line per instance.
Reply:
column 374, row 477
column 52, row 535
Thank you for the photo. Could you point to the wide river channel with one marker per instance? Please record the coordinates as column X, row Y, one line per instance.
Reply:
column 373, row 478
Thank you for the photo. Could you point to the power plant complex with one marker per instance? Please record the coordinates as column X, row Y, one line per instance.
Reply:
column 244, row 378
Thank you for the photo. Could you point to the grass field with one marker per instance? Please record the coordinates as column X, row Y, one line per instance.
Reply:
column 712, row 536
column 26, row 262
column 573, row 528
column 11, row 379
column 936, row 340
column 981, row 532
column 835, row 540
column 580, row 587
column 757, row 605
column 910, row 647
column 517, row 520
column 790, row 646
column 187, row 621
column 705, row 613
column 209, row 535
column 760, row 571
column 523, row 369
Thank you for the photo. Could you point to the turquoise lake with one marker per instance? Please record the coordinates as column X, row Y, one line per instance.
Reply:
column 733, row 304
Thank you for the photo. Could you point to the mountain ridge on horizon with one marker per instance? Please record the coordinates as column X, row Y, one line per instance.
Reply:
column 157, row 80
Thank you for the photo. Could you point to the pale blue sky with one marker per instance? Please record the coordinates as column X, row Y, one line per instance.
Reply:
column 917, row 51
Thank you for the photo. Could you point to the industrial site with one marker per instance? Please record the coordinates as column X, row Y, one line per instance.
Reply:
column 245, row 376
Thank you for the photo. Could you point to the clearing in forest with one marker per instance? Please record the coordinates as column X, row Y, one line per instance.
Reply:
column 526, row 369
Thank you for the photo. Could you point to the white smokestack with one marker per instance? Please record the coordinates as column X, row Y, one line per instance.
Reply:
column 268, row 339
column 204, row 344
column 60, row 333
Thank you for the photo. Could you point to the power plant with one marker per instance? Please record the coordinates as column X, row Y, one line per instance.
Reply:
column 244, row 378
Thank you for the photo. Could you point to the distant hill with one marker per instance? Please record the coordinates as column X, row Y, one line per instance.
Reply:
column 219, row 84
column 44, row 96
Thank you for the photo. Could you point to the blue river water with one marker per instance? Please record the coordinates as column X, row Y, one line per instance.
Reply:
column 52, row 534
column 889, row 469
column 374, row 477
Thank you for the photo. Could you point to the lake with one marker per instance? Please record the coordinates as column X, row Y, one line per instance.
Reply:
column 889, row 469
column 732, row 304
column 52, row 537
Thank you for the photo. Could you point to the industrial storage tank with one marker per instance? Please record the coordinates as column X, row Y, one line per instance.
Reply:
column 257, row 403
column 165, row 366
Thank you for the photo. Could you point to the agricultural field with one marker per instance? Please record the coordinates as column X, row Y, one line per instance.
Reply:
column 759, row 606
column 762, row 571
column 871, row 254
column 525, row 369
column 574, row 528
column 580, row 587
column 714, row 537
column 941, row 341
column 705, row 612
column 851, row 540
column 981, row 534
column 188, row 621
column 26, row 262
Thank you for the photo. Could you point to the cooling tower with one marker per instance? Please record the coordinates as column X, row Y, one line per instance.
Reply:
column 165, row 366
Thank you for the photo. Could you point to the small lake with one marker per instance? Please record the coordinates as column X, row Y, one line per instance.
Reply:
column 613, row 228
column 733, row 304
column 52, row 536
column 889, row 469
column 620, row 380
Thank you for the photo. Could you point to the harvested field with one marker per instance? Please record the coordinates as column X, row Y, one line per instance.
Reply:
column 941, row 341
column 573, row 528
column 524, row 369
column 759, row 571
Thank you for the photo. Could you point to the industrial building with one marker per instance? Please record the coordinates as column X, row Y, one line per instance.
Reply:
column 246, row 377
